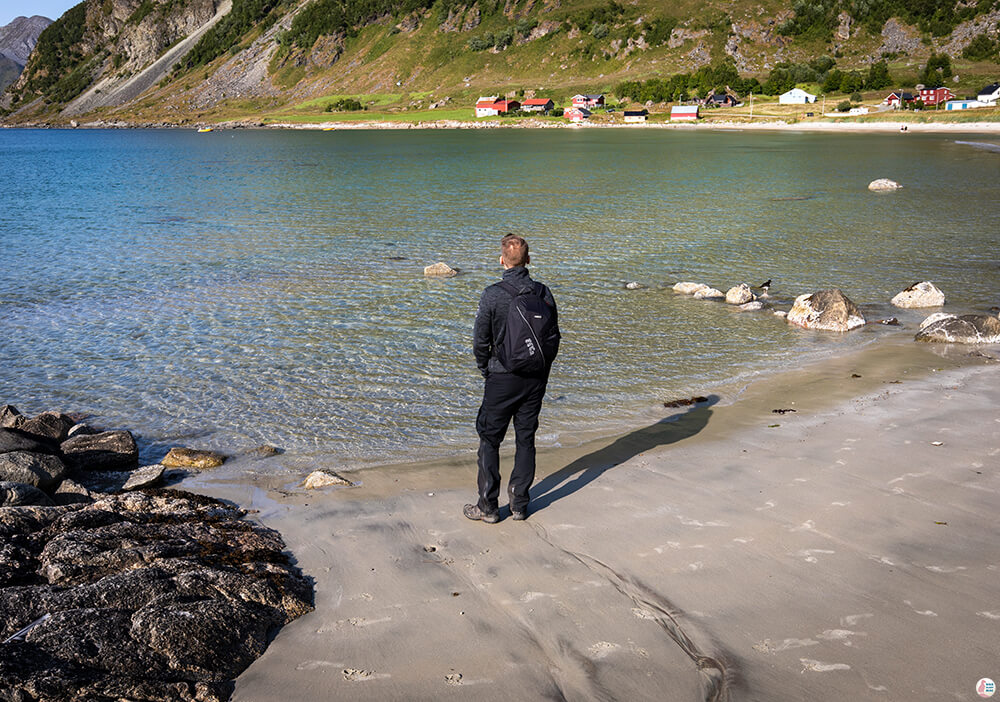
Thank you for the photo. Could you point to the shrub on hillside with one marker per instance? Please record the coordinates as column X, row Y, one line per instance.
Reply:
column 844, row 106
column 981, row 48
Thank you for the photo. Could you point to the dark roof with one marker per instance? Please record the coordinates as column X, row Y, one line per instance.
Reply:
column 635, row 113
column 991, row 88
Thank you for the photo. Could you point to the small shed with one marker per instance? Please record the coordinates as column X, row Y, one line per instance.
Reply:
column 684, row 113
column 577, row 114
column 721, row 100
column 967, row 104
column 796, row 96
column 635, row 116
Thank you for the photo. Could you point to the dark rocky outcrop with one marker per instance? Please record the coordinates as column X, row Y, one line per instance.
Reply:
column 966, row 329
column 109, row 450
column 51, row 425
column 39, row 469
column 829, row 310
column 151, row 595
column 18, row 440
column 20, row 494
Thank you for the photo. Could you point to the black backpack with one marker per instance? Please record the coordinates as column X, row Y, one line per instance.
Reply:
column 532, row 338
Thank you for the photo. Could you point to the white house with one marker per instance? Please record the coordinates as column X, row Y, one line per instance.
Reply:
column 990, row 94
column 795, row 96
column 858, row 111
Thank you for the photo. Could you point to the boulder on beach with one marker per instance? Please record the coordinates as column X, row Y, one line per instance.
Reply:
column 936, row 317
column 22, row 494
column 634, row 285
column 924, row 294
column 965, row 329
column 159, row 595
column 688, row 288
column 828, row 310
column 71, row 492
column 109, row 450
column 42, row 470
column 739, row 294
column 883, row 185
column 192, row 458
column 144, row 477
column 51, row 425
column 440, row 270
column 324, row 478
column 707, row 293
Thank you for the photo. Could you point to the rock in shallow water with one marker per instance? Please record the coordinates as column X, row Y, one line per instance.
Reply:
column 688, row 288
column 192, row 458
column 158, row 595
column 324, row 478
column 739, row 294
column 966, row 329
column 924, row 294
column 828, row 310
column 883, row 185
column 440, row 270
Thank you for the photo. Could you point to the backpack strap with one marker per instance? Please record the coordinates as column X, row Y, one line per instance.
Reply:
column 514, row 292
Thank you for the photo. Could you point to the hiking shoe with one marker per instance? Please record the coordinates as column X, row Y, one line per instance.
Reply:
column 519, row 516
column 473, row 512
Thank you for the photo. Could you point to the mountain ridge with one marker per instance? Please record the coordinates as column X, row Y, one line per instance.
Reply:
column 17, row 40
column 399, row 55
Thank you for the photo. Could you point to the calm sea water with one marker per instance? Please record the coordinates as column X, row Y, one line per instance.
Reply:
column 229, row 289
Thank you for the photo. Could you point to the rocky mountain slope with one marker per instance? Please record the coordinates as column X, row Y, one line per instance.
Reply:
column 17, row 40
column 180, row 60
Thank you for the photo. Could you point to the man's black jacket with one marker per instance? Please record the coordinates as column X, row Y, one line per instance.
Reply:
column 491, row 319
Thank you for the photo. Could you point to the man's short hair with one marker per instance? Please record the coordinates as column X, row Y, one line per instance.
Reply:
column 514, row 250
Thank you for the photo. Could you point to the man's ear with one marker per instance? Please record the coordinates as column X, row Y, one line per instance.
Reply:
column 527, row 259
column 501, row 259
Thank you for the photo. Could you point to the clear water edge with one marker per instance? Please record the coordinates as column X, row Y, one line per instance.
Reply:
column 248, row 290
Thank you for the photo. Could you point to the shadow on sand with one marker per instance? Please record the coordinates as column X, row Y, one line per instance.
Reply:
column 586, row 469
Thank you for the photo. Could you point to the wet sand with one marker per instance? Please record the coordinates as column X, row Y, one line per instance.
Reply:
column 848, row 550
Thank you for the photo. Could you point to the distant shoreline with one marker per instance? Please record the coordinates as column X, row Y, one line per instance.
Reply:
column 772, row 126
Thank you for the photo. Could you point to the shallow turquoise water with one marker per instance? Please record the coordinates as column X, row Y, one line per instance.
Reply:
column 239, row 287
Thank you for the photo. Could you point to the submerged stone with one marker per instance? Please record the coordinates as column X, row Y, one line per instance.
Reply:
column 192, row 458
column 966, row 329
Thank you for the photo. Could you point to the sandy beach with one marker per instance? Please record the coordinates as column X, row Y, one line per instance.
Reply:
column 844, row 550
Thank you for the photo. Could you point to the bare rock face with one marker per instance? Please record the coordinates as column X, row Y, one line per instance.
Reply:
column 192, row 458
column 924, row 294
column 147, row 476
column 688, row 288
column 10, row 417
column 158, row 595
column 883, row 185
column 41, row 470
column 109, row 450
column 440, row 270
column 966, row 329
column 828, row 310
column 739, row 294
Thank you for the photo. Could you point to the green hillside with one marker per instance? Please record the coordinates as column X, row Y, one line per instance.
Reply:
column 290, row 60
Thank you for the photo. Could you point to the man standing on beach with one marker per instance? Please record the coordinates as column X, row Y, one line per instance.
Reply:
column 515, row 358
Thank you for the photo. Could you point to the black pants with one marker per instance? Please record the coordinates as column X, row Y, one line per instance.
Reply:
column 505, row 397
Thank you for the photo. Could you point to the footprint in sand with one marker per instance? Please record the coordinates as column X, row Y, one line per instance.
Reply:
column 453, row 678
column 357, row 674
column 601, row 649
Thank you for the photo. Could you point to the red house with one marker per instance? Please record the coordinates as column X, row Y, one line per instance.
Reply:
column 895, row 96
column 588, row 101
column 932, row 96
